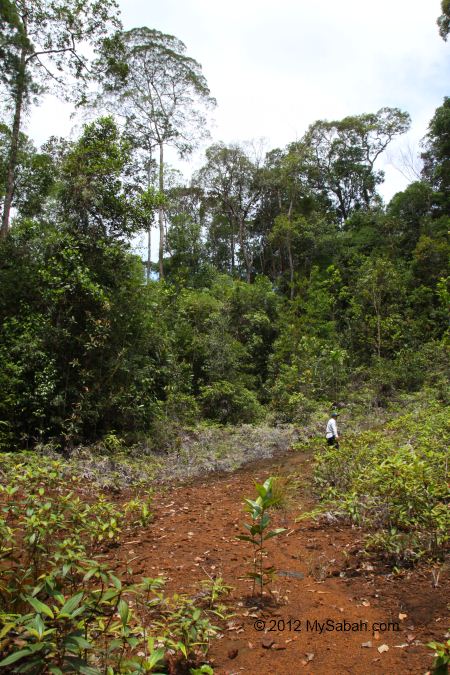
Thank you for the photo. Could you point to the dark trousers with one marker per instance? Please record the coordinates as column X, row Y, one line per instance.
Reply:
column 333, row 441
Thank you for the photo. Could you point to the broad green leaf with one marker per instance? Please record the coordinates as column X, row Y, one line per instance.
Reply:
column 71, row 604
column 116, row 582
column 268, row 484
column 41, row 607
column 246, row 537
column 155, row 657
column 261, row 490
column 274, row 533
column 39, row 627
column 182, row 647
column 78, row 641
column 124, row 611
column 90, row 573
column 80, row 666
column 16, row 656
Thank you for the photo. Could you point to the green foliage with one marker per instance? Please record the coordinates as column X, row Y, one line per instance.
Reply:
column 259, row 533
column 436, row 157
column 93, row 194
column 140, row 510
column 444, row 19
column 62, row 611
column 229, row 180
column 394, row 483
column 34, row 177
column 375, row 305
column 227, row 402
column 442, row 657
column 53, row 31
column 215, row 589
column 83, row 353
column 290, row 407
column 288, row 283
column 340, row 156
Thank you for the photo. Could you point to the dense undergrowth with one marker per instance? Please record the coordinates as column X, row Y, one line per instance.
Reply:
column 393, row 481
column 61, row 610
column 113, row 465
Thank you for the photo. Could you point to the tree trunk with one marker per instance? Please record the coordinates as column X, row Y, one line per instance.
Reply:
column 291, row 266
column 161, row 212
column 232, row 250
column 272, row 262
column 149, row 242
column 149, row 251
column 377, row 308
column 342, row 206
column 12, row 161
column 244, row 250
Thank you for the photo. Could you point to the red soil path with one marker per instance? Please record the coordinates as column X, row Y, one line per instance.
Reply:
column 193, row 536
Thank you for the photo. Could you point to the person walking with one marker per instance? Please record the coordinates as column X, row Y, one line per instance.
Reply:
column 332, row 435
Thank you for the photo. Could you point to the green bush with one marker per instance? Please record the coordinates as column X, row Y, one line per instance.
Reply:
column 230, row 403
column 85, row 354
column 288, row 404
column 182, row 408
column 60, row 610
column 394, row 482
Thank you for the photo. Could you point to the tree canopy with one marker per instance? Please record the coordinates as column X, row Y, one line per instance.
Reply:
column 444, row 19
column 285, row 282
column 42, row 45
column 161, row 96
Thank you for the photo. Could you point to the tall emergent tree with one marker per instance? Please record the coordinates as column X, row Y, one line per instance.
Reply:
column 162, row 96
column 40, row 41
column 444, row 20
column 230, row 183
column 342, row 154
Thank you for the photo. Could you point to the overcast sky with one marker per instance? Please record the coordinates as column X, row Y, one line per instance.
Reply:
column 276, row 66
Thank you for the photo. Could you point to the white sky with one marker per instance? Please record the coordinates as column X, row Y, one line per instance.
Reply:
column 276, row 66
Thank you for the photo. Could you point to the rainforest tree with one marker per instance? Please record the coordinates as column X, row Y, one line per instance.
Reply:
column 161, row 95
column 42, row 46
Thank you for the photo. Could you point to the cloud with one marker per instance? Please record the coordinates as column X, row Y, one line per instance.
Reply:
column 275, row 66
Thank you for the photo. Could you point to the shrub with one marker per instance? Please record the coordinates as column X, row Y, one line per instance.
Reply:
column 182, row 408
column 230, row 403
column 63, row 612
column 393, row 482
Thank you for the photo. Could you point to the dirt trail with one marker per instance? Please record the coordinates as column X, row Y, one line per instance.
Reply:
column 322, row 578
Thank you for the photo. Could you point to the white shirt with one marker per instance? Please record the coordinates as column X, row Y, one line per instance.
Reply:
column 331, row 428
